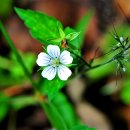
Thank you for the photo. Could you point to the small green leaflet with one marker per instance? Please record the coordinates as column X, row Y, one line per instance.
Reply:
column 72, row 38
column 42, row 27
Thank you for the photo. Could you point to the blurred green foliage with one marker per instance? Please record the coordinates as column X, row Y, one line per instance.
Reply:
column 23, row 101
column 3, row 106
column 125, row 92
column 82, row 26
column 102, row 71
column 5, row 7
column 66, row 110
column 10, row 70
column 29, row 60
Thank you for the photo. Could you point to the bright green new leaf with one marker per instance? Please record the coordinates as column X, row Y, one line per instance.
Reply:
column 42, row 27
column 72, row 36
column 73, row 41
column 61, row 32
column 51, row 88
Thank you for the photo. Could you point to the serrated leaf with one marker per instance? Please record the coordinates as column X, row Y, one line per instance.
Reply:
column 42, row 27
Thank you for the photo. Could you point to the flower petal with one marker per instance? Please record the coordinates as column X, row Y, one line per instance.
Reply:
column 64, row 72
column 43, row 59
column 53, row 51
column 65, row 58
column 49, row 73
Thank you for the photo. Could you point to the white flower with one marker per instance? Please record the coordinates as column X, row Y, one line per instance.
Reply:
column 55, row 63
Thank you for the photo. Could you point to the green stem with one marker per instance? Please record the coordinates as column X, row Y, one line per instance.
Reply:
column 13, row 48
column 87, row 64
column 99, row 65
column 109, row 61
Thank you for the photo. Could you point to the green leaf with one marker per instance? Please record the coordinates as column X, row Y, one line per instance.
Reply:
column 42, row 27
column 72, row 36
column 51, row 88
column 82, row 26
column 61, row 32
column 66, row 110
column 82, row 127
column 74, row 41
column 54, row 116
